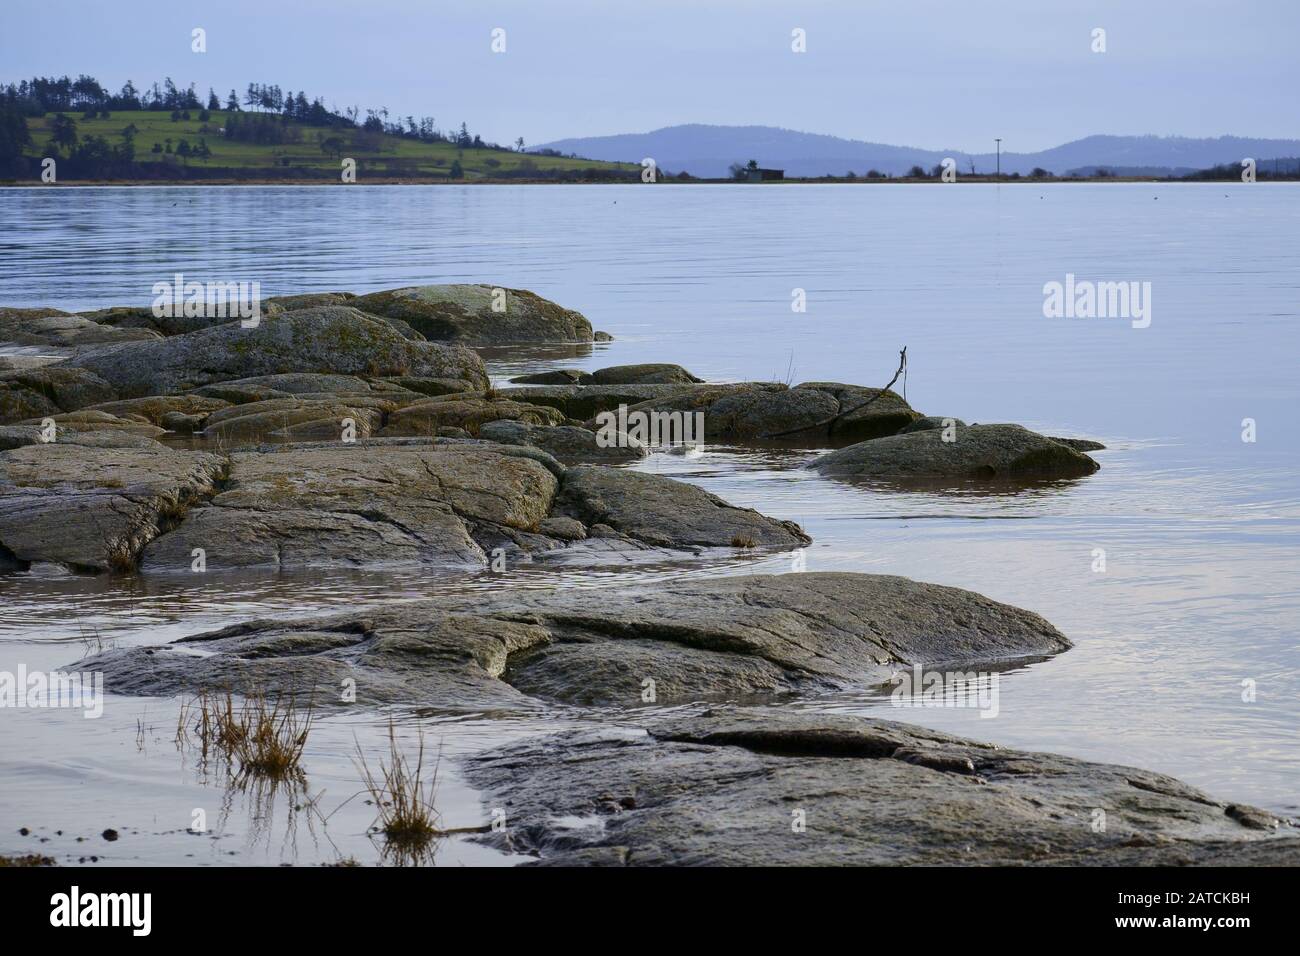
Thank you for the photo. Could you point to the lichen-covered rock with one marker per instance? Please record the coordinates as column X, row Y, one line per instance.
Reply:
column 87, row 420
column 156, row 408
column 977, row 452
column 332, row 339
column 93, row 508
column 464, row 314
column 311, row 300
column 257, row 420
column 48, row 390
column 57, row 329
column 468, row 412
column 569, row 443
column 720, row 789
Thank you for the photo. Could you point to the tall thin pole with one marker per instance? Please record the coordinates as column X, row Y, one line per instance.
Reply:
column 999, row 142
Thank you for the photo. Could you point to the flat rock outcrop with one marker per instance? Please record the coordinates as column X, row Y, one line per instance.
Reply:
column 331, row 339
column 464, row 314
column 94, row 506
column 701, row 639
column 725, row 788
column 977, row 452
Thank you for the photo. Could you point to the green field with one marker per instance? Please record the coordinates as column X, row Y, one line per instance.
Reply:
column 376, row 154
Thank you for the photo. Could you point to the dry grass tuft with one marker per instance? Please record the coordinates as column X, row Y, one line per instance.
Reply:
column 264, row 735
column 408, row 817
column 743, row 541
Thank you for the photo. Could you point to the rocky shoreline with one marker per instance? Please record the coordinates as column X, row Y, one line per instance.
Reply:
column 346, row 431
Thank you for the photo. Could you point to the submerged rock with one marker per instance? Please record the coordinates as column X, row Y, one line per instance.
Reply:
column 333, row 339
column 464, row 314
column 696, row 640
column 978, row 452
column 725, row 787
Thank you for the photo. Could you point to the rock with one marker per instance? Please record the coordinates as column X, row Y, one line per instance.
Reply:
column 721, row 789
column 700, row 639
column 16, row 436
column 566, row 529
column 646, row 374
column 362, row 504
column 311, row 300
column 156, row 408
column 586, row 401
column 563, row 376
column 979, row 452
column 763, row 411
column 93, row 508
column 599, row 336
column 45, row 391
column 865, row 412
column 334, row 339
column 51, row 327
column 142, row 318
column 930, row 422
column 428, row 386
column 660, row 511
column 277, row 386
column 568, row 443
column 464, row 314
column 94, row 421
column 258, row 420
column 1081, row 444
column 468, row 412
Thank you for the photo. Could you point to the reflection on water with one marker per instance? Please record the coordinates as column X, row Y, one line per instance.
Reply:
column 1200, row 531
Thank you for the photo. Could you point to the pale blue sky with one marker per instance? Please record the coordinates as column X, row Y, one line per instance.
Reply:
column 929, row 74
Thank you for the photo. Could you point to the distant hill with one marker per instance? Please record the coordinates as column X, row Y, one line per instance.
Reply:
column 278, row 148
column 708, row 151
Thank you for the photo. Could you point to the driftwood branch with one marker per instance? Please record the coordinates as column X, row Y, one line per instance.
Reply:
column 902, row 364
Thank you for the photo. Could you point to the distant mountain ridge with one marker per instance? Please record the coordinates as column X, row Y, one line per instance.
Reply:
column 708, row 151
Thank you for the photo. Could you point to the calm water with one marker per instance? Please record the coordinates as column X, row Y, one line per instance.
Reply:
column 1201, row 530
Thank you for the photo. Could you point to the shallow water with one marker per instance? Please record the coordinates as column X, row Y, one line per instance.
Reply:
column 1201, row 530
